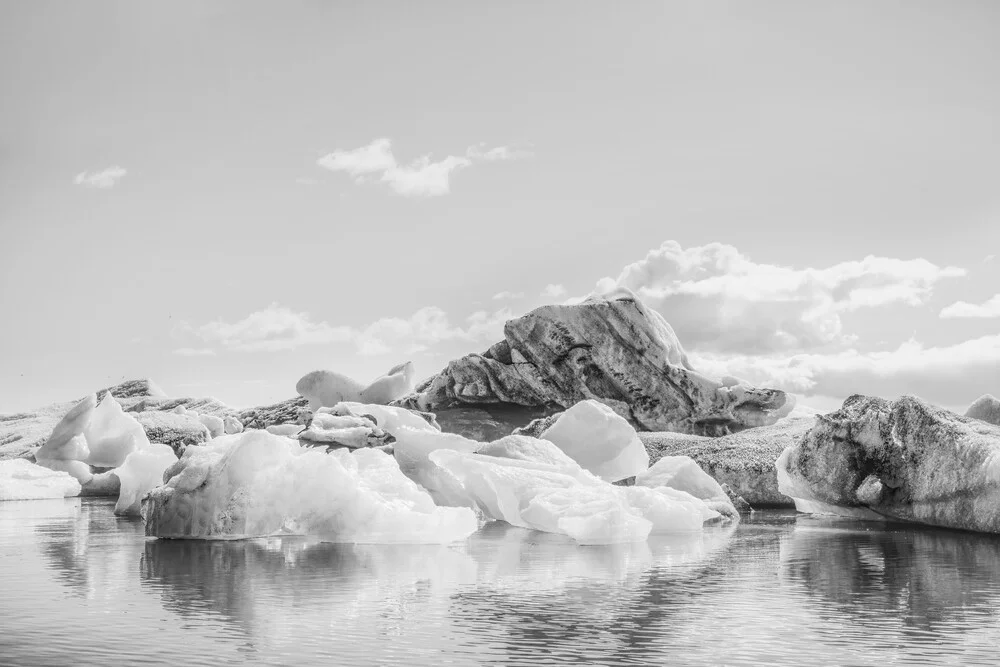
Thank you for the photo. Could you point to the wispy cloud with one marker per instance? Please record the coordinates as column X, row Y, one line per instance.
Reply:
column 503, row 296
column 103, row 180
column 552, row 291
column 271, row 329
column 987, row 309
column 278, row 328
column 422, row 177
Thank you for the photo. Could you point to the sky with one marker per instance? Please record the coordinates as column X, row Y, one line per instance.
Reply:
column 225, row 196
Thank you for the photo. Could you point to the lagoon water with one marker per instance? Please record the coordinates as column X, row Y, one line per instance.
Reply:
column 81, row 586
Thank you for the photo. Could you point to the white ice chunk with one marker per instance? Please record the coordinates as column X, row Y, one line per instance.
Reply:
column 389, row 418
column 256, row 484
column 526, row 448
column 232, row 425
column 669, row 510
column 683, row 474
column 286, row 430
column 398, row 382
column 112, row 434
column 66, row 442
column 600, row 440
column 78, row 469
column 24, row 480
column 141, row 472
column 215, row 425
column 327, row 388
column 412, row 449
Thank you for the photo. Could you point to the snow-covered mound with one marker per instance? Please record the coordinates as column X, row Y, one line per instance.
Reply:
column 22, row 480
column 256, row 484
column 601, row 441
column 141, row 472
column 112, row 434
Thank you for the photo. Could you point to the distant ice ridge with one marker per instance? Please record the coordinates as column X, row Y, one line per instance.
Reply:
column 257, row 484
column 23, row 480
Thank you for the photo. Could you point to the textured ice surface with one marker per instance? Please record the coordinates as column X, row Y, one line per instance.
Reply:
column 568, row 500
column 287, row 430
column 141, row 472
column 599, row 440
column 232, row 425
column 389, row 418
column 526, row 448
column 683, row 474
column 67, row 442
column 398, row 382
column 412, row 449
column 255, row 484
column 327, row 388
column 22, row 480
column 215, row 425
column 112, row 434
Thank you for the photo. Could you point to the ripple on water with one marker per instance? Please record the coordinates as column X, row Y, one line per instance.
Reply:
column 82, row 586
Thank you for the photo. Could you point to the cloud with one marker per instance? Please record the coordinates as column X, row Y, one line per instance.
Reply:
column 278, row 328
column 553, row 291
column 271, row 329
column 508, row 295
column 103, row 180
column 480, row 152
column 306, row 181
column 428, row 326
column 943, row 374
column 422, row 177
column 987, row 309
column 718, row 299
column 195, row 351
column 989, row 258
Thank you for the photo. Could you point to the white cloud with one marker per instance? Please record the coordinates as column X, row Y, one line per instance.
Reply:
column 990, row 308
column 718, row 299
column 553, row 291
column 103, row 180
column 508, row 295
column 989, row 258
column 278, row 328
column 480, row 152
column 273, row 328
column 945, row 374
column 422, row 177
column 306, row 181
column 195, row 351
column 428, row 326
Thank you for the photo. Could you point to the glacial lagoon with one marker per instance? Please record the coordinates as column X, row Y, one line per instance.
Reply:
column 84, row 587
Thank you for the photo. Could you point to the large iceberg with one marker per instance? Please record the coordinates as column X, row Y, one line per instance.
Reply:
column 21, row 479
column 600, row 440
column 256, row 484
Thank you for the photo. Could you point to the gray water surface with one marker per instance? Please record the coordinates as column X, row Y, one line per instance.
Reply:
column 81, row 586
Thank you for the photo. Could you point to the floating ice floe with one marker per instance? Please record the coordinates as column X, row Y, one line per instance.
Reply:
column 256, row 484
column 601, row 441
column 23, row 480
column 345, row 430
column 683, row 474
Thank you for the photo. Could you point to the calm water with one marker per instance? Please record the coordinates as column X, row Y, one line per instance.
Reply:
column 80, row 586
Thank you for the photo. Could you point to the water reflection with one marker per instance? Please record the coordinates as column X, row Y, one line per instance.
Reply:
column 921, row 577
column 73, row 540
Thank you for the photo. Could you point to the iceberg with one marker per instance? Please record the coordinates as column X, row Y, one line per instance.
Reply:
column 215, row 425
column 257, row 484
column 398, row 382
column 141, row 472
column 568, row 500
column 683, row 474
column 412, row 451
column 388, row 418
column 21, row 479
column 327, row 388
column 600, row 440
column 526, row 448
column 232, row 425
column 112, row 434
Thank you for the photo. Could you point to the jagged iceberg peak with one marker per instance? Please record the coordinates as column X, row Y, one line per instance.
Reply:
column 112, row 434
column 610, row 348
